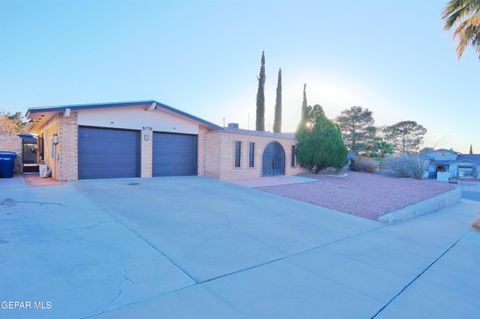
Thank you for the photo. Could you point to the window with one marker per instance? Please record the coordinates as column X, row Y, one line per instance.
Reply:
column 238, row 149
column 466, row 171
column 294, row 150
column 251, row 155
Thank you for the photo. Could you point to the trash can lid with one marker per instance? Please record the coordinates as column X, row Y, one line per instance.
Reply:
column 28, row 138
column 8, row 154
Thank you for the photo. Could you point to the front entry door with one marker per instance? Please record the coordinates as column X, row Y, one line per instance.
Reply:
column 273, row 160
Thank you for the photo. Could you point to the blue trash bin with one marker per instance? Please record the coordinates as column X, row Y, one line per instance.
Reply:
column 7, row 164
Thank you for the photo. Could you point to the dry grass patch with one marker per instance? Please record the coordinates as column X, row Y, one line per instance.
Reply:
column 476, row 224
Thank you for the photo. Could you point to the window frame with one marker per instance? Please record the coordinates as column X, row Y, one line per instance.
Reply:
column 238, row 154
column 251, row 155
column 293, row 157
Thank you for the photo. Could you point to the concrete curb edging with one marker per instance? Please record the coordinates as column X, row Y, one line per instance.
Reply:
column 425, row 207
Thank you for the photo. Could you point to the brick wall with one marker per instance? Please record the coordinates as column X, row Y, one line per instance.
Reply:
column 61, row 158
column 13, row 143
column 146, row 163
column 220, row 151
column 67, row 147
column 212, row 153
column 202, row 136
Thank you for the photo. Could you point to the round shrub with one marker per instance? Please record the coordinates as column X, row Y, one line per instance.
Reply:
column 364, row 164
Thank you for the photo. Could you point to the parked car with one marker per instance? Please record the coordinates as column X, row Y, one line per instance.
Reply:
column 453, row 180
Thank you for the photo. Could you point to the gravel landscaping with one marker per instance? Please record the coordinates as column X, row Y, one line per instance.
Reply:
column 361, row 194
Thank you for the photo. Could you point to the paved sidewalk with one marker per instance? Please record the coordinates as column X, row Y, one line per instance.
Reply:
column 201, row 248
column 34, row 180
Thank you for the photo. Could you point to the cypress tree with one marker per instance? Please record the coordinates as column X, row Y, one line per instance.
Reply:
column 277, row 124
column 260, row 120
column 304, row 104
column 471, row 149
column 306, row 111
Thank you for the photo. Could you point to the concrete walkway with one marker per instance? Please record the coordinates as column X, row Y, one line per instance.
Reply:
column 200, row 248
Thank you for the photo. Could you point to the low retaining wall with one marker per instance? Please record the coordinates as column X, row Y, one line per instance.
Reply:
column 12, row 143
column 421, row 208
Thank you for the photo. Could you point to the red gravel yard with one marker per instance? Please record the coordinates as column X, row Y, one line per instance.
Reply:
column 361, row 194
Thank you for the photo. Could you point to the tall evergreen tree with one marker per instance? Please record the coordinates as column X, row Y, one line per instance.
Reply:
column 260, row 120
column 304, row 104
column 471, row 149
column 277, row 124
column 357, row 128
column 405, row 136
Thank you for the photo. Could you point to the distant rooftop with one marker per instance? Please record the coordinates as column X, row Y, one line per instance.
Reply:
column 472, row 158
column 444, row 150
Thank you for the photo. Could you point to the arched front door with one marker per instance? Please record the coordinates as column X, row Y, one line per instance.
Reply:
column 273, row 163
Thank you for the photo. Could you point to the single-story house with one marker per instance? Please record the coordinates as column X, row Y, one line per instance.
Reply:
column 444, row 164
column 148, row 138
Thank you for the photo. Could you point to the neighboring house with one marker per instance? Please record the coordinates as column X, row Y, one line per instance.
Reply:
column 444, row 164
column 147, row 138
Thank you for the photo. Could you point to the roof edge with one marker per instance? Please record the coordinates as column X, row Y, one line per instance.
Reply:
column 60, row 108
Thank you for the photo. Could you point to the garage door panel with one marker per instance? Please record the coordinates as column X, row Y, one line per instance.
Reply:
column 176, row 158
column 100, row 161
column 174, row 154
column 108, row 153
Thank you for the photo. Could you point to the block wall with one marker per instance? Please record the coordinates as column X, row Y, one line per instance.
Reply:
column 12, row 143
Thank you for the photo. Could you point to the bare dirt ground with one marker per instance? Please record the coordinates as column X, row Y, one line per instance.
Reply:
column 361, row 194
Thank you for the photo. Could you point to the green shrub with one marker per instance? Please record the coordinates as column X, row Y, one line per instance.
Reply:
column 320, row 144
column 364, row 164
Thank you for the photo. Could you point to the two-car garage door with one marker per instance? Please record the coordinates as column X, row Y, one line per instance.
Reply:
column 111, row 153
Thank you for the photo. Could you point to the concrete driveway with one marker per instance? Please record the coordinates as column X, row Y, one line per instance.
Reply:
column 195, row 247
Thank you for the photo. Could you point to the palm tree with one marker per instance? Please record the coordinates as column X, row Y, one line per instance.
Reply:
column 465, row 16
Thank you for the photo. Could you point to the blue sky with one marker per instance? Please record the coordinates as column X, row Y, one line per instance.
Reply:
column 203, row 57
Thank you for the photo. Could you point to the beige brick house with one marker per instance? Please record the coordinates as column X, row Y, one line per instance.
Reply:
column 235, row 153
column 147, row 138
